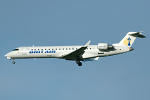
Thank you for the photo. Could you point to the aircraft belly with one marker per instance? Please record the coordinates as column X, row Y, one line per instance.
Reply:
column 89, row 55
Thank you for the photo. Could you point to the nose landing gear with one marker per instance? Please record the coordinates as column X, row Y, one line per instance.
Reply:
column 13, row 61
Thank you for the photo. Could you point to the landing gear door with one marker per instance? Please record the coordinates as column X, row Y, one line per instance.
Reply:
column 24, row 50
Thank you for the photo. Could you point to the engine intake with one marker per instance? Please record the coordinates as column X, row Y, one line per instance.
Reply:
column 103, row 46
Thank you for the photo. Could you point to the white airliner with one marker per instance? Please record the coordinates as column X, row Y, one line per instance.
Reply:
column 76, row 53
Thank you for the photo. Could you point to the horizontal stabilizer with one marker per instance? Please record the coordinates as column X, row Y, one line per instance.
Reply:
column 137, row 34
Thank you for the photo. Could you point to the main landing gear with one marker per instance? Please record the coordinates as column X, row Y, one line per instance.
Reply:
column 79, row 63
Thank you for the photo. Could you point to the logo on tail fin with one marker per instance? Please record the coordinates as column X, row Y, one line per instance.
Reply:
column 127, row 42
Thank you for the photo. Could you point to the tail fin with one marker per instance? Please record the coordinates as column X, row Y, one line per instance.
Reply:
column 130, row 38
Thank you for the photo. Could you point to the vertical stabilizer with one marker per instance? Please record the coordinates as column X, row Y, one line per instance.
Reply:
column 130, row 37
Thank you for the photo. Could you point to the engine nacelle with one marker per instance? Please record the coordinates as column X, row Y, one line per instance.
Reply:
column 103, row 46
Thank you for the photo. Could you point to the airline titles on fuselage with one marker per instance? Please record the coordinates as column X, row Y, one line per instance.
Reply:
column 47, row 51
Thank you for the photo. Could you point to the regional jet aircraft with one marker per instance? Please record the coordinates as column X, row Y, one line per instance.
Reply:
column 76, row 53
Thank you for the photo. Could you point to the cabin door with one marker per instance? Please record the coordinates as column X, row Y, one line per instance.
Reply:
column 24, row 50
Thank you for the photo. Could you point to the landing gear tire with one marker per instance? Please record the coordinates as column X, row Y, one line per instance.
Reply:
column 13, row 62
column 79, row 63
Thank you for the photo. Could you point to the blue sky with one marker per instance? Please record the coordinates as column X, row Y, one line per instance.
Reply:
column 74, row 22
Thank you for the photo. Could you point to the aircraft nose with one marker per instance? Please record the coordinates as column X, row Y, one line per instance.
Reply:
column 8, row 56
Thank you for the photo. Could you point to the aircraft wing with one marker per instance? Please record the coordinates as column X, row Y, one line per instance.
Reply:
column 77, row 54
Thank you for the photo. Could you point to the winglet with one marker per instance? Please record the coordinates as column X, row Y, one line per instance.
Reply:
column 87, row 44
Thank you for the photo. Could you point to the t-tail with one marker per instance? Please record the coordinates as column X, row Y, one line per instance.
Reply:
column 129, row 39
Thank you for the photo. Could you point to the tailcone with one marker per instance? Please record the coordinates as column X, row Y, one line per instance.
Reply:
column 131, row 48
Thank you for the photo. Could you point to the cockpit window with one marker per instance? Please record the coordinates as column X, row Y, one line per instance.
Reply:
column 15, row 50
